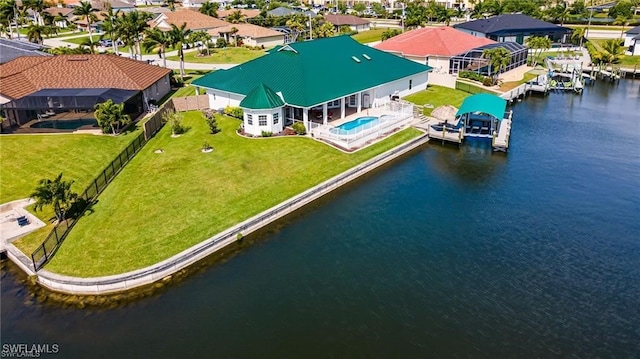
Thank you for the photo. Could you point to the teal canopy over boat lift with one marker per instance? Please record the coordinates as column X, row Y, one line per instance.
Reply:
column 484, row 103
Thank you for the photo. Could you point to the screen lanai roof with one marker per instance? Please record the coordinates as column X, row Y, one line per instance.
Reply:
column 314, row 72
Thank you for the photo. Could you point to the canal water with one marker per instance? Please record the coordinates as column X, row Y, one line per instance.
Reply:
column 445, row 253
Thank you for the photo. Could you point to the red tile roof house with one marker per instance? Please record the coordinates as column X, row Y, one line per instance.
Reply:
column 58, row 86
column 354, row 22
column 195, row 20
column 433, row 46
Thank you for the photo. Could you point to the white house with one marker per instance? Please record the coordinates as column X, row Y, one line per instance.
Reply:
column 312, row 82
column 632, row 40
column 249, row 34
column 354, row 22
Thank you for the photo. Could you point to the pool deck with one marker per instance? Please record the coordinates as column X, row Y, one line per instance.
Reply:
column 63, row 116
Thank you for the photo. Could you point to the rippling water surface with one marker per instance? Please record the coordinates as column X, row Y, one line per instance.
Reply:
column 445, row 253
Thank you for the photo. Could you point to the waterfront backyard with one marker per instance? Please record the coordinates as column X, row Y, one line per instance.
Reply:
column 163, row 203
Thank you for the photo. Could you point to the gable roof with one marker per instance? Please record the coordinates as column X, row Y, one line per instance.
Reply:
column 509, row 23
column 635, row 30
column 339, row 20
column 438, row 41
column 29, row 74
column 12, row 49
column 486, row 103
column 193, row 18
column 261, row 97
column 246, row 30
column 305, row 72
column 281, row 11
column 64, row 11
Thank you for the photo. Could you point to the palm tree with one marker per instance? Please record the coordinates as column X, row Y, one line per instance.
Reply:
column 35, row 32
column 111, row 116
column 578, row 35
column 210, row 8
column 201, row 38
column 171, row 4
column 109, row 25
column 499, row 58
column 236, row 17
column 622, row 20
column 539, row 44
column 86, row 10
column 234, row 33
column 90, row 44
column 156, row 40
column 612, row 51
column 56, row 193
column 38, row 7
column 325, row 30
column 130, row 27
column 178, row 38
column 8, row 13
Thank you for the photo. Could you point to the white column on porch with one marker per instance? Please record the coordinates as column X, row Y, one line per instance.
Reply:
column 305, row 118
column 359, row 101
column 197, row 91
column 324, row 114
column 342, row 110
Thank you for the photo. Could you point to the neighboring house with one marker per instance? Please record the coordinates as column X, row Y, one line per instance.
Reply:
column 434, row 46
column 65, row 15
column 247, row 13
column 249, row 34
column 195, row 20
column 634, row 47
column 630, row 35
column 32, row 86
column 514, row 27
column 12, row 49
column 292, row 82
column 102, row 5
column 149, row 2
column 284, row 11
column 354, row 22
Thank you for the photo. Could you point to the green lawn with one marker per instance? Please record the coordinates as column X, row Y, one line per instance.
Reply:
column 513, row 84
column 229, row 55
column 626, row 60
column 187, row 89
column 28, row 158
column 369, row 36
column 162, row 204
column 437, row 96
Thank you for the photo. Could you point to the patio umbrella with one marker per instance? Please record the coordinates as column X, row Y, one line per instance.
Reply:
column 446, row 113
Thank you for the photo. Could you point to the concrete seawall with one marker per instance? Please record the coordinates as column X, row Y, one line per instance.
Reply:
column 158, row 271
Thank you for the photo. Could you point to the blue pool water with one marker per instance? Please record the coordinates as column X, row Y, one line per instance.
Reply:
column 64, row 124
column 358, row 122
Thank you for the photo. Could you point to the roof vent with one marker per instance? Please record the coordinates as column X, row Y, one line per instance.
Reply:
column 355, row 59
column 78, row 58
column 366, row 57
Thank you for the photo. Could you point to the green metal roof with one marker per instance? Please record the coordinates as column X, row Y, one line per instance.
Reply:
column 261, row 97
column 486, row 103
column 313, row 72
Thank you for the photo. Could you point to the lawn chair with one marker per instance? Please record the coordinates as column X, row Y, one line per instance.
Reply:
column 23, row 221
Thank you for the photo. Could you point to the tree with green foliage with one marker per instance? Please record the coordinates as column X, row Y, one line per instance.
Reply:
column 179, row 37
column 87, row 11
column 130, row 27
column 622, row 8
column 36, row 32
column 111, row 116
column 389, row 33
column 538, row 44
column 236, row 17
column 577, row 36
column 499, row 58
column 622, row 20
column 157, row 41
column 171, row 4
column 109, row 24
column 612, row 51
column 324, row 30
column 91, row 45
column 201, row 39
column 359, row 7
column 56, row 193
column 210, row 8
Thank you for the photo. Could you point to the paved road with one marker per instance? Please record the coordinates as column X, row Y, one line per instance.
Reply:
column 604, row 34
column 153, row 59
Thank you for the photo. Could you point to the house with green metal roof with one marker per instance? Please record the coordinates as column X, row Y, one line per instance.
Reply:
column 312, row 82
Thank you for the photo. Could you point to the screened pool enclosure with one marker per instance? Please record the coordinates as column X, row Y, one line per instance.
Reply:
column 473, row 60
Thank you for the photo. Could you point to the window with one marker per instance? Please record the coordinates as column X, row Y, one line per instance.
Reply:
column 262, row 120
column 276, row 117
column 250, row 120
column 410, row 84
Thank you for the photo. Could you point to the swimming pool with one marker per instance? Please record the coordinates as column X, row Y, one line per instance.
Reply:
column 64, row 124
column 356, row 125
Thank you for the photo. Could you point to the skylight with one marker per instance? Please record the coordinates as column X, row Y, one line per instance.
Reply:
column 355, row 59
column 366, row 57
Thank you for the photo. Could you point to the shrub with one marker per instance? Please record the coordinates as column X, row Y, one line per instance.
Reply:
column 220, row 43
column 487, row 81
column 213, row 125
column 206, row 146
column 174, row 120
column 267, row 133
column 299, row 128
column 234, row 112
column 471, row 76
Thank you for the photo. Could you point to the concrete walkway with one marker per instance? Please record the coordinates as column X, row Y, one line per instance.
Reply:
column 10, row 230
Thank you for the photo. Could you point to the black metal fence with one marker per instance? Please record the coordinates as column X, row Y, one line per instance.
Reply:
column 47, row 249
